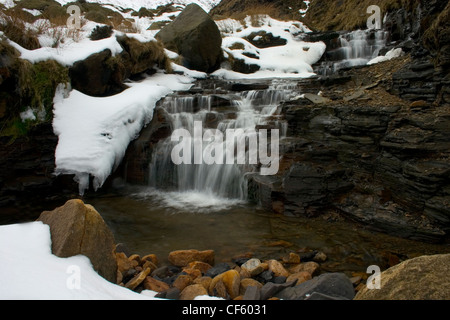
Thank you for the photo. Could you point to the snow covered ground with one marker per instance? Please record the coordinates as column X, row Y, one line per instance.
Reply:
column 292, row 60
column 31, row 272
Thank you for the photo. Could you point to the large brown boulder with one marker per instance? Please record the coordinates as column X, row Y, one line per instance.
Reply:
column 422, row 278
column 78, row 229
column 196, row 38
column 98, row 75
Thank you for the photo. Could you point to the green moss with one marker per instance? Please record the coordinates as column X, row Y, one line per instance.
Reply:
column 35, row 87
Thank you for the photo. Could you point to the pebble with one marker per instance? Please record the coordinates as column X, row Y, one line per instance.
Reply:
column 243, row 279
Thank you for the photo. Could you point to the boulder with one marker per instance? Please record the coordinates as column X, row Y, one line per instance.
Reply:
column 196, row 38
column 78, row 229
column 97, row 75
column 421, row 278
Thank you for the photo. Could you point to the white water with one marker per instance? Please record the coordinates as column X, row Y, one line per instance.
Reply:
column 204, row 186
column 356, row 48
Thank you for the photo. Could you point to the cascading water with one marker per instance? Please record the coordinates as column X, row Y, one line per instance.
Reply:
column 355, row 48
column 249, row 110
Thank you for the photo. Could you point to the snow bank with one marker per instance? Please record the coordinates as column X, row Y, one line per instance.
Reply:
column 207, row 5
column 32, row 272
column 292, row 60
column 70, row 53
column 94, row 133
column 394, row 53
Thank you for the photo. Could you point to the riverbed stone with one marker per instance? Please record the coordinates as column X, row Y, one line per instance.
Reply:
column 137, row 280
column 421, row 278
column 253, row 267
column 182, row 281
column 182, row 258
column 153, row 284
column 231, row 280
column 78, row 229
column 203, row 267
column 192, row 291
column 300, row 277
column 277, row 268
column 204, row 281
column 248, row 282
column 336, row 285
column 311, row 267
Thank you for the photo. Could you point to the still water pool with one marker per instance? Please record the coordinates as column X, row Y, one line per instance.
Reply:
column 148, row 221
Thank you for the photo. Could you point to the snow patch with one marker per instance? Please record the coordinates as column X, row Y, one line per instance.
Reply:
column 391, row 54
column 34, row 273
column 94, row 133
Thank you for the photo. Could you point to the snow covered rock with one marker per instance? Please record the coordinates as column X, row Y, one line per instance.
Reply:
column 196, row 38
column 78, row 229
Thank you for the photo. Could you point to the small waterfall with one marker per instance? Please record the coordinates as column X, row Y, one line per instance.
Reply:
column 355, row 48
column 249, row 110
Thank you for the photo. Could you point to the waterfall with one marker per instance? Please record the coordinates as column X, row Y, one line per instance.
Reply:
column 249, row 110
column 355, row 48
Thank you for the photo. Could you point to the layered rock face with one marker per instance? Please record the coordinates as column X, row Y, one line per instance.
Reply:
column 385, row 166
column 196, row 38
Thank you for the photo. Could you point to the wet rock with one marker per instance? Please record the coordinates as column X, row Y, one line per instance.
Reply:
column 192, row 291
column 271, row 289
column 421, row 278
column 336, row 285
column 292, row 258
column 218, row 269
column 248, row 282
column 78, row 229
column 253, row 267
column 311, row 267
column 299, row 277
column 182, row 258
column 252, row 293
column 203, row 267
column 265, row 276
column 182, row 281
column 153, row 284
column 231, row 281
column 316, row 99
column 171, row 294
column 137, row 280
column 204, row 281
column 320, row 257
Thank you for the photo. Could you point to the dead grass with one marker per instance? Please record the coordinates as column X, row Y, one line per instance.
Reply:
column 327, row 15
column 14, row 28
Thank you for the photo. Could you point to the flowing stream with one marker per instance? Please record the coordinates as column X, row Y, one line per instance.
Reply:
column 200, row 206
